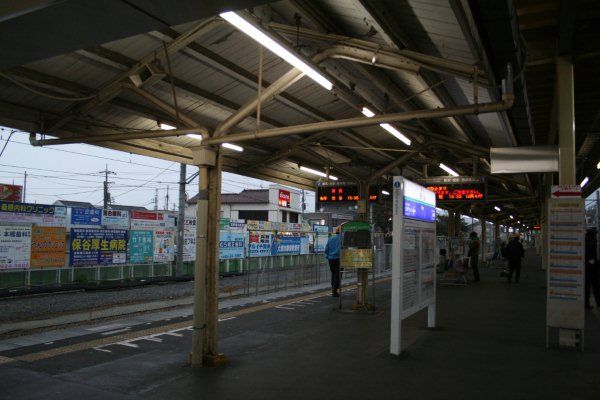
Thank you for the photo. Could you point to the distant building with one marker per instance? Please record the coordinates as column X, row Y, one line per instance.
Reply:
column 79, row 204
column 275, row 204
column 83, row 204
column 126, row 208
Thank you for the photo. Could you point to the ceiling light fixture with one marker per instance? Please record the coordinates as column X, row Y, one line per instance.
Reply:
column 497, row 208
column 395, row 132
column 319, row 173
column 584, row 181
column 598, row 165
column 385, row 192
column 194, row 136
column 262, row 38
column 166, row 127
column 449, row 170
column 511, row 217
column 367, row 113
column 232, row 146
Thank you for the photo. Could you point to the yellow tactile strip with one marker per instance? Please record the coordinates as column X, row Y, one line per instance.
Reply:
column 41, row 355
column 5, row 360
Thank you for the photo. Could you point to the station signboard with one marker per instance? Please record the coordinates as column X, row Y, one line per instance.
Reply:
column 457, row 188
column 329, row 192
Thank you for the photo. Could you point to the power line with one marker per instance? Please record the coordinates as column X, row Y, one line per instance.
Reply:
column 90, row 155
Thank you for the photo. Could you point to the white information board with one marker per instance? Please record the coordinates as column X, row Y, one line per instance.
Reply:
column 413, row 256
column 566, row 254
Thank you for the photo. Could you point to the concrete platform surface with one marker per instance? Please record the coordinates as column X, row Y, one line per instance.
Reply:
column 491, row 344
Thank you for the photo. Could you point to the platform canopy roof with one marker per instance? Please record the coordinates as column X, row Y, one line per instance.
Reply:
column 110, row 72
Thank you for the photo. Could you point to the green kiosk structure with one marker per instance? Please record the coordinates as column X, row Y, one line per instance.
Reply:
column 356, row 252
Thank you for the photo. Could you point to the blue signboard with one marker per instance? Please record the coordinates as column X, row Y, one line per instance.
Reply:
column 86, row 216
column 231, row 245
column 98, row 246
column 321, row 237
column 286, row 245
column 418, row 202
column 141, row 246
column 416, row 210
column 259, row 244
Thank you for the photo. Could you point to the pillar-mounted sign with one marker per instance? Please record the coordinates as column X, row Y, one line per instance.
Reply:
column 566, row 253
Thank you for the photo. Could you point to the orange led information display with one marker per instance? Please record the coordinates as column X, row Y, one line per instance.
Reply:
column 458, row 192
column 456, row 188
column 349, row 192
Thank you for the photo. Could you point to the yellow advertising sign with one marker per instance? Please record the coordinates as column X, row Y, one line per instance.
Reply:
column 356, row 258
column 48, row 247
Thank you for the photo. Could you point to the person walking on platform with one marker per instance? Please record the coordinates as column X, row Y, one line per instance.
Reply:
column 515, row 252
column 332, row 253
column 474, row 246
column 592, row 269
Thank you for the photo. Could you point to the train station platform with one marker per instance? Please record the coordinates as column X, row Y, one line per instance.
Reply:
column 490, row 343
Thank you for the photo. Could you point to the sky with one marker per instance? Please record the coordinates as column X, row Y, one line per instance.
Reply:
column 76, row 172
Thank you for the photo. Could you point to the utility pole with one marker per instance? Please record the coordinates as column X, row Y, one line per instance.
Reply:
column 180, row 220
column 167, row 199
column 106, row 193
column 24, row 187
column 156, row 199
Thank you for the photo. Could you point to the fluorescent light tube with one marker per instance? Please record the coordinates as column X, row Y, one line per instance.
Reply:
column 396, row 133
column 275, row 47
column 367, row 113
column 232, row 147
column 511, row 217
column 319, row 173
column 194, row 136
column 598, row 165
column 497, row 208
column 385, row 192
column 584, row 181
column 166, row 127
column 449, row 170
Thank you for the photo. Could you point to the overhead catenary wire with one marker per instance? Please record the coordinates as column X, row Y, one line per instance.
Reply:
column 66, row 181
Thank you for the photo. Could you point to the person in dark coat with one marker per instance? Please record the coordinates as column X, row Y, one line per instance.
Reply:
column 592, row 269
column 332, row 253
column 474, row 246
column 514, row 252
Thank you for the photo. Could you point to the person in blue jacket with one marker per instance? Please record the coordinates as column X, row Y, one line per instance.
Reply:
column 332, row 253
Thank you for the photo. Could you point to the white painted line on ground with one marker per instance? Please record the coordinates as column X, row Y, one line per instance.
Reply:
column 151, row 339
column 47, row 343
column 128, row 344
column 117, row 331
column 104, row 327
column 172, row 334
column 285, row 308
column 226, row 319
column 101, row 349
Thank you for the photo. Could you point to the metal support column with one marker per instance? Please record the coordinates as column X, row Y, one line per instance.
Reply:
column 211, row 355
column 205, row 296
column 199, row 322
column 451, row 249
column 484, row 248
column 566, row 121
